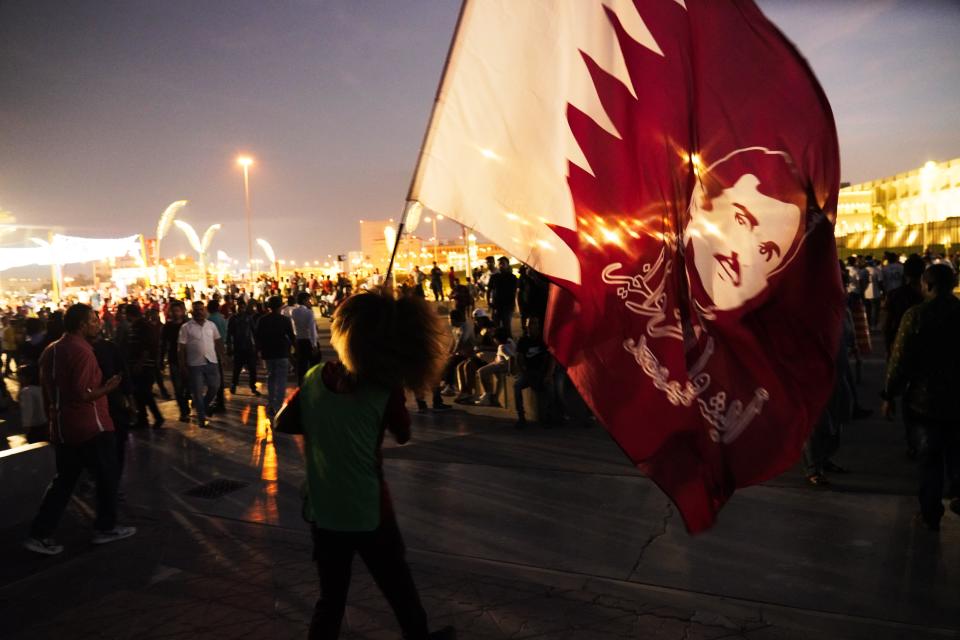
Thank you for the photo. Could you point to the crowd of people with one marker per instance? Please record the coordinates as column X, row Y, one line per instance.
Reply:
column 910, row 303
column 87, row 376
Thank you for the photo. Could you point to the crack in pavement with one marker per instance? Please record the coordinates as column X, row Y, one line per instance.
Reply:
column 651, row 539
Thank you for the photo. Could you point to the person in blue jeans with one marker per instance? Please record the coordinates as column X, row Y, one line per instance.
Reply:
column 274, row 339
column 200, row 351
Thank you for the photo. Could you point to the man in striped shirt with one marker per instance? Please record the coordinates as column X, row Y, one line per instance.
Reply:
column 81, row 431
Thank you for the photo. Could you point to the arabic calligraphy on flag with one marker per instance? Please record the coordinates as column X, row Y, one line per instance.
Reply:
column 673, row 166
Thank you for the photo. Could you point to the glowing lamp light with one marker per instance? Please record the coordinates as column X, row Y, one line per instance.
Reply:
column 244, row 161
column 390, row 236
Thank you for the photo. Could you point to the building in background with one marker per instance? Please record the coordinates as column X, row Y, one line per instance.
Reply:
column 906, row 212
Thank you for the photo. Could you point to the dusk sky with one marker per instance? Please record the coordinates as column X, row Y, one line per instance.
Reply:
column 111, row 110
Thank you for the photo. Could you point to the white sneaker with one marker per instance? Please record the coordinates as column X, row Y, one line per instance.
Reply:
column 448, row 391
column 45, row 547
column 487, row 400
column 117, row 533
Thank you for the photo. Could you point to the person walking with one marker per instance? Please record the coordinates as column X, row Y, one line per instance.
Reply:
column 111, row 363
column 169, row 350
column 343, row 410
column 142, row 346
column 216, row 317
column 81, row 431
column 274, row 338
column 924, row 368
column 240, row 340
column 200, row 351
column 305, row 330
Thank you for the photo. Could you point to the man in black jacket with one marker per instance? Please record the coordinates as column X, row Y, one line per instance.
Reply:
column 241, row 332
column 274, row 338
column 503, row 295
column 924, row 367
column 169, row 350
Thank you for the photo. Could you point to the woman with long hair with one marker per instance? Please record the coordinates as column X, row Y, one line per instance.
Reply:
column 343, row 410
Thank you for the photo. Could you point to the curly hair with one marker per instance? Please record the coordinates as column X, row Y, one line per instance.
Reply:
column 390, row 342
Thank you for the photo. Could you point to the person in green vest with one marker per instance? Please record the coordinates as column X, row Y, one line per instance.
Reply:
column 343, row 409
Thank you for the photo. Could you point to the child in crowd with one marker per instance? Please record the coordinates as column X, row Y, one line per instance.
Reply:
column 343, row 410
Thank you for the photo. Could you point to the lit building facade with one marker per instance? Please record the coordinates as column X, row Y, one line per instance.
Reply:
column 930, row 193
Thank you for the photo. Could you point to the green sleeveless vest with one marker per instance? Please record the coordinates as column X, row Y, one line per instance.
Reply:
column 342, row 438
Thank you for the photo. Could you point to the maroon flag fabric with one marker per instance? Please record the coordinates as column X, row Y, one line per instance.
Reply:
column 703, row 332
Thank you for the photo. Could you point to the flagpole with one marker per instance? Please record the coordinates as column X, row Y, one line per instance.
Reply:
column 428, row 134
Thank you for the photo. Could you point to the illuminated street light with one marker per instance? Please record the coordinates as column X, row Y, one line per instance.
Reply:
column 434, row 238
column 245, row 162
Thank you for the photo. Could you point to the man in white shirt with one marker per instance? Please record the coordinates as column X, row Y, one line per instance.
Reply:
column 305, row 329
column 200, row 350
column 872, row 292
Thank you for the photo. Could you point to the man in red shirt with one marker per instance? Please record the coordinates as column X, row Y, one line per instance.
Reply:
column 80, row 429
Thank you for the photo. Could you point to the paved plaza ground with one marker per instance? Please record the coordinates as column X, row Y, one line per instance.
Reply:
column 542, row 533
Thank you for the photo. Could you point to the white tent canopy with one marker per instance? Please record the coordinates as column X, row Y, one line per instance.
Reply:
column 69, row 250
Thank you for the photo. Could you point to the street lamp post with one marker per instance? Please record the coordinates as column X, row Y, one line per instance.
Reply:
column 436, row 240
column 245, row 162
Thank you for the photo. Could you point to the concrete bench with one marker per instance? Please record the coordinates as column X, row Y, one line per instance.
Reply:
column 25, row 472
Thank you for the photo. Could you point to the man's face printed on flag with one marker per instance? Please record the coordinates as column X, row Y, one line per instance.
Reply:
column 740, row 236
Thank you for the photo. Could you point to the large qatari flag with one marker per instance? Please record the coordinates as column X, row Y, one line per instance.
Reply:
column 674, row 168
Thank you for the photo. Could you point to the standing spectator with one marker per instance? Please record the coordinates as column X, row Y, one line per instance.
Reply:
column 143, row 345
column 305, row 330
column 452, row 279
column 924, row 367
column 274, row 339
column 169, row 349
column 153, row 318
column 897, row 303
column 892, row 273
column 9, row 340
column 200, row 351
column 460, row 295
column 81, row 430
column 535, row 366
column 111, row 363
column 121, row 331
column 241, row 330
column 436, row 282
column 873, row 292
column 418, row 278
column 214, row 316
column 503, row 295
column 491, row 269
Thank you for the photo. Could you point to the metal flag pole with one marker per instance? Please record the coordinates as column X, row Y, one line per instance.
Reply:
column 427, row 136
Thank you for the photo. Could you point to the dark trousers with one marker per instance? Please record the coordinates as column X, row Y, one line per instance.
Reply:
column 99, row 457
column 503, row 318
column 181, row 390
column 158, row 376
column 121, row 431
column 938, row 449
column 221, row 401
column 303, row 354
column 383, row 551
column 143, row 394
column 526, row 379
column 823, row 442
column 248, row 359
